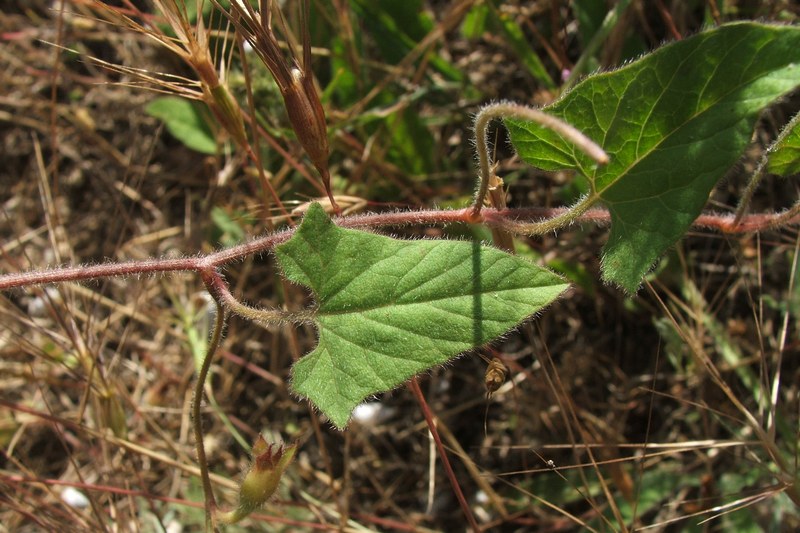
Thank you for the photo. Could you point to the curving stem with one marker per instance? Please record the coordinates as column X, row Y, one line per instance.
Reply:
column 511, row 110
column 197, row 422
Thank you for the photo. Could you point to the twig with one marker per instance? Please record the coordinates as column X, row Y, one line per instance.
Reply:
column 462, row 501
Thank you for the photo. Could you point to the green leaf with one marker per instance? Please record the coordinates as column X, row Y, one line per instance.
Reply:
column 186, row 121
column 389, row 309
column 673, row 123
column 344, row 82
column 412, row 144
column 784, row 155
column 474, row 23
column 589, row 14
column 227, row 229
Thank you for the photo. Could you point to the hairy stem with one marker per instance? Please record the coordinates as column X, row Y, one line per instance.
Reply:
column 511, row 110
column 788, row 217
column 752, row 185
column 550, row 224
column 493, row 218
column 271, row 317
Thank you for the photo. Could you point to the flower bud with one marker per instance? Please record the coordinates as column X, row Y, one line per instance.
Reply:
column 262, row 478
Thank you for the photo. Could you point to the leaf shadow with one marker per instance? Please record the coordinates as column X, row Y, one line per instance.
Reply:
column 477, row 295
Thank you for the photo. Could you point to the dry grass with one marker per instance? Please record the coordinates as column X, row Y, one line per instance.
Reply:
column 665, row 410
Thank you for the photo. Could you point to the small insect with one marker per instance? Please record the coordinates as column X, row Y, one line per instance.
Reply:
column 495, row 376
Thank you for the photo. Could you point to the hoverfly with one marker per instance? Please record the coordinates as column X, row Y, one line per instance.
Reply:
column 493, row 379
column 495, row 376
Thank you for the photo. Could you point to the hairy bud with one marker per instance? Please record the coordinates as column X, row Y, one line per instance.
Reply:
column 262, row 478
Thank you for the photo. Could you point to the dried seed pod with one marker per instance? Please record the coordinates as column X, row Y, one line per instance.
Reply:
column 495, row 376
column 308, row 119
column 295, row 80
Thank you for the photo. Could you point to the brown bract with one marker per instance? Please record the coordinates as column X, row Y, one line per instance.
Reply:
column 191, row 44
column 295, row 80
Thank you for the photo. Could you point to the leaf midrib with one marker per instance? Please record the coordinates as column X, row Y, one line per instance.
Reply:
column 597, row 193
column 321, row 312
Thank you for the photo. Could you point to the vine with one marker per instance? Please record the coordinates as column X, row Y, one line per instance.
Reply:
column 373, row 291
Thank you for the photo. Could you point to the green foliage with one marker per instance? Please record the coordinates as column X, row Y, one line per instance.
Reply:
column 595, row 26
column 485, row 17
column 186, row 121
column 397, row 27
column 474, row 23
column 784, row 155
column 673, row 123
column 589, row 14
column 388, row 309
column 411, row 142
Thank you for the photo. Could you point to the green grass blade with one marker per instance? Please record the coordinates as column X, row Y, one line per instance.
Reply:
column 516, row 39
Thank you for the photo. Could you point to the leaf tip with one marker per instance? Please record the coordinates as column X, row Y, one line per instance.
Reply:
column 315, row 213
column 626, row 276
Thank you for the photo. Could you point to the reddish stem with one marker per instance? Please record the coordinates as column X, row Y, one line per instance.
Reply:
column 462, row 501
column 491, row 217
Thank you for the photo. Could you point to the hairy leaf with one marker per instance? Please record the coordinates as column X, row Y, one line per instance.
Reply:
column 784, row 155
column 673, row 123
column 387, row 309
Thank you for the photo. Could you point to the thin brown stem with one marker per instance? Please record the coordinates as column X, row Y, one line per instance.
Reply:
column 462, row 501
column 787, row 475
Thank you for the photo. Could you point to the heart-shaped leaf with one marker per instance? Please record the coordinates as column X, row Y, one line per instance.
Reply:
column 673, row 123
column 388, row 309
